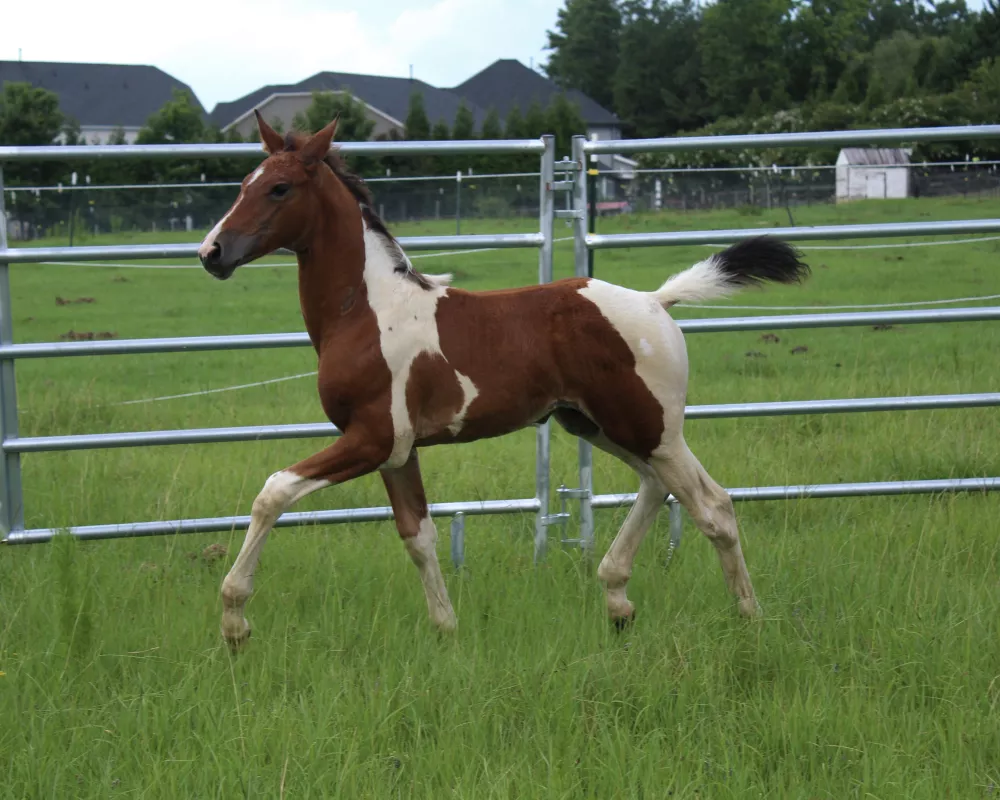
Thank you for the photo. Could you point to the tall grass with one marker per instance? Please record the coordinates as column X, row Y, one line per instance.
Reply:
column 873, row 674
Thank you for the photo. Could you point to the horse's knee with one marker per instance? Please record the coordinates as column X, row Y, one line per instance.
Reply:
column 719, row 521
column 611, row 573
column 422, row 542
column 276, row 495
column 234, row 592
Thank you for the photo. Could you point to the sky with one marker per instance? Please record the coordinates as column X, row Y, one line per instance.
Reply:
column 224, row 49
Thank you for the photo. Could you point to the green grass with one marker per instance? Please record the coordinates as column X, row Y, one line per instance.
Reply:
column 874, row 673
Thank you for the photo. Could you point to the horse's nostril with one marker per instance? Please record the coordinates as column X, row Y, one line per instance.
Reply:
column 215, row 254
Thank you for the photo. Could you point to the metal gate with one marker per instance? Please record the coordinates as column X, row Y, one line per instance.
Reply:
column 12, row 512
column 585, row 243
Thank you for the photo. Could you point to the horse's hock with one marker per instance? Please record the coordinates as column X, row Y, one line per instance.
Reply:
column 574, row 177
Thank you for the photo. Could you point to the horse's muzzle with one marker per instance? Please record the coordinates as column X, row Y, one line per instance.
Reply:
column 229, row 251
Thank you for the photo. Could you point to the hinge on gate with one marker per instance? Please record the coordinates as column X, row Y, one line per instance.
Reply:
column 569, row 213
column 565, row 494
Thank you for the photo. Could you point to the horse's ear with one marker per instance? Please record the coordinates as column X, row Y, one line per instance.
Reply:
column 318, row 145
column 269, row 138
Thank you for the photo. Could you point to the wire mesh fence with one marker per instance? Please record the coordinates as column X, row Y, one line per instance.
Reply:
column 82, row 211
column 780, row 187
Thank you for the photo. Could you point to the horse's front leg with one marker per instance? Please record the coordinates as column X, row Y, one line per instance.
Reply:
column 355, row 453
column 413, row 521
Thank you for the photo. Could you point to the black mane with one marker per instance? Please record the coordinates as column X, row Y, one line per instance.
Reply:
column 356, row 185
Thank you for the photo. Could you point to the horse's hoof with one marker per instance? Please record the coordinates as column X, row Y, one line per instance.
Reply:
column 236, row 636
column 446, row 625
column 749, row 608
column 621, row 623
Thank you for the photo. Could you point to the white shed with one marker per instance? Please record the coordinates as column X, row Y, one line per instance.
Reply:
column 876, row 173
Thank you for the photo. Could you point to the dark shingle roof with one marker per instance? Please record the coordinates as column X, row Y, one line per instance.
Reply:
column 99, row 94
column 875, row 156
column 390, row 95
column 507, row 82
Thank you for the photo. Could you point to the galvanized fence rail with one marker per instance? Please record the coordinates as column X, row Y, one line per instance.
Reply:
column 12, row 446
column 11, row 505
column 586, row 242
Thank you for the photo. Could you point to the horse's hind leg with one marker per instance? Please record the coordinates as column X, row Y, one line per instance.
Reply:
column 712, row 510
column 616, row 566
column 419, row 533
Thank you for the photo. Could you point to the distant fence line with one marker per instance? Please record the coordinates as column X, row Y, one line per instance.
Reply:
column 87, row 209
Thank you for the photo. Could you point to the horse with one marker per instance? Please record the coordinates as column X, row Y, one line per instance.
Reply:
column 408, row 361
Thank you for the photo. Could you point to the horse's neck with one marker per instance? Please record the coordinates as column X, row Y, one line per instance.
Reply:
column 331, row 278
column 353, row 269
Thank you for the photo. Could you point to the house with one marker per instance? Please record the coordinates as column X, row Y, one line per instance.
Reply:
column 100, row 97
column 876, row 173
column 507, row 83
column 502, row 85
column 387, row 101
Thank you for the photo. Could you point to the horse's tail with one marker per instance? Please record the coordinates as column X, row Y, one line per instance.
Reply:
column 748, row 263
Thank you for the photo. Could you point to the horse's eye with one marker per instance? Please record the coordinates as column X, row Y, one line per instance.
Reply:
column 280, row 190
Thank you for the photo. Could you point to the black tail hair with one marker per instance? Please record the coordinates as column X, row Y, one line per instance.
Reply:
column 759, row 260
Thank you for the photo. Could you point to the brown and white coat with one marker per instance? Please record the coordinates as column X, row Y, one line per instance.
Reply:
column 406, row 361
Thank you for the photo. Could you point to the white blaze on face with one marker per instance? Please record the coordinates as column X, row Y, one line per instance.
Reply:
column 257, row 173
column 209, row 241
column 407, row 325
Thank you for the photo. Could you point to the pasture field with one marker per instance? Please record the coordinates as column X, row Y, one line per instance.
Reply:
column 875, row 672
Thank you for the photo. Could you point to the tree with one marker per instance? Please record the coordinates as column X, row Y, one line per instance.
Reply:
column 985, row 34
column 465, row 124
column 894, row 63
column 71, row 132
column 514, row 124
column 180, row 120
column 564, row 121
column 657, row 84
column 824, row 37
column 742, row 46
column 440, row 131
column 418, row 126
column 585, row 48
column 354, row 124
column 30, row 116
column 535, row 122
column 492, row 129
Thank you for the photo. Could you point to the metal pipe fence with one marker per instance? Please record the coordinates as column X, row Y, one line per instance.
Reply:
column 12, row 446
column 586, row 243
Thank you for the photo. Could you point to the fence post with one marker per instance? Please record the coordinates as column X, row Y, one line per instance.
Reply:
column 11, row 502
column 676, row 529
column 546, row 221
column 582, row 264
column 458, row 540
column 458, row 202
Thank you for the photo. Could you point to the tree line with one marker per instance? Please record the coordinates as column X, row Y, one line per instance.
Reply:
column 31, row 116
column 756, row 66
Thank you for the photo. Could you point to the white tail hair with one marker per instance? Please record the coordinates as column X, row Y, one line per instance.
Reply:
column 748, row 263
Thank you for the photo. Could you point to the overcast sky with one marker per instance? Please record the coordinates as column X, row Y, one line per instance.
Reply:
column 224, row 49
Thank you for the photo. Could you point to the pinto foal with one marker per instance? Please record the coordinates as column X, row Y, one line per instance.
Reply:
column 405, row 361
